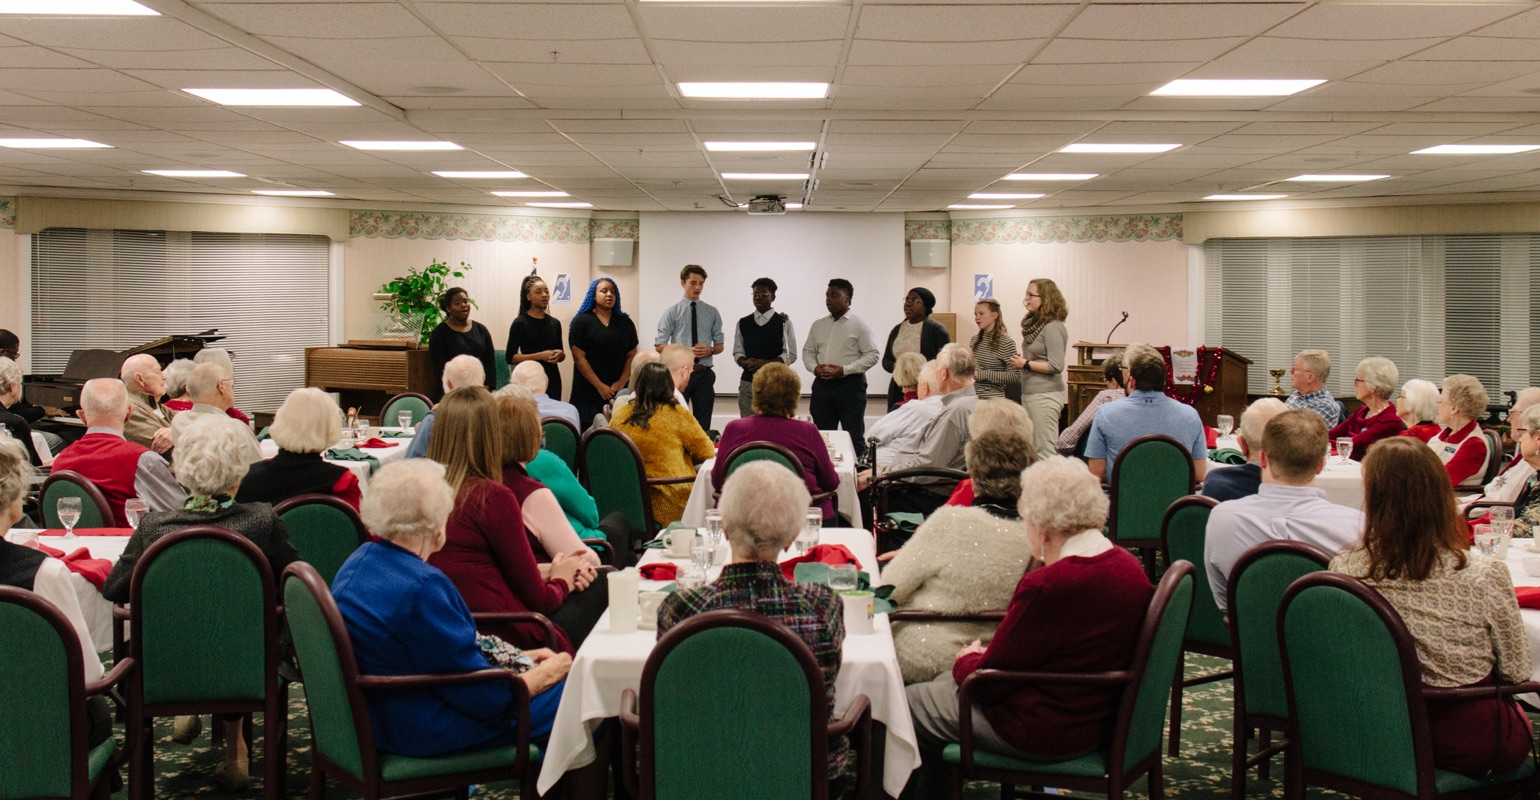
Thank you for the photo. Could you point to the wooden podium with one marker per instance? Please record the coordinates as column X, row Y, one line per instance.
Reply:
column 1085, row 375
column 1224, row 394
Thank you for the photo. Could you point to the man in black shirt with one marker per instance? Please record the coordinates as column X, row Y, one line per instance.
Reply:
column 763, row 336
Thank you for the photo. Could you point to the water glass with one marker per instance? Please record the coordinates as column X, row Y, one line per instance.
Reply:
column 1226, row 424
column 1345, row 448
column 714, row 525
column 404, row 420
column 690, row 577
column 1486, row 540
column 134, row 509
column 703, row 553
column 1501, row 514
column 69, row 514
column 807, row 539
column 843, row 577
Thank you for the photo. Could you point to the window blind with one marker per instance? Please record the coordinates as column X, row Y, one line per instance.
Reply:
column 266, row 293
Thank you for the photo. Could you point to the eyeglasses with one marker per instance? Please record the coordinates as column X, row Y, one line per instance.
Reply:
column 1029, row 294
column 1517, row 432
column 1357, row 381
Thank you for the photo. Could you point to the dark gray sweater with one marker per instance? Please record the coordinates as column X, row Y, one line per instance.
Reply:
column 255, row 521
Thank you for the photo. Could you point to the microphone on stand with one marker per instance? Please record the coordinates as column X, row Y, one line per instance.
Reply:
column 1115, row 327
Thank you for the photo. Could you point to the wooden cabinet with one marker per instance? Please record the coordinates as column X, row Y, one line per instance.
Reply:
column 368, row 375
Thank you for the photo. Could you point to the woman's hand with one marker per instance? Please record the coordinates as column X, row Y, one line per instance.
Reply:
column 565, row 567
column 975, row 647
column 555, row 356
column 617, row 386
column 1017, row 362
column 550, row 668
column 606, row 392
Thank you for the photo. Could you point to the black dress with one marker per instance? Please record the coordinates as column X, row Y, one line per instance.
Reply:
column 605, row 347
column 445, row 343
column 530, row 335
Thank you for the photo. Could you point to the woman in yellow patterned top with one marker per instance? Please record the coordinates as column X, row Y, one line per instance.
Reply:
column 1458, row 605
column 671, row 441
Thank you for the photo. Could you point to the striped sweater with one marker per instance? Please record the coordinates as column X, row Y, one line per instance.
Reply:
column 994, row 365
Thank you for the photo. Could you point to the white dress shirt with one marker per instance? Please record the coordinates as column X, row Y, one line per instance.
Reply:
column 1276, row 512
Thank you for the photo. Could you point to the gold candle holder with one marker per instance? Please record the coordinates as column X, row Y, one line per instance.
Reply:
column 1277, row 373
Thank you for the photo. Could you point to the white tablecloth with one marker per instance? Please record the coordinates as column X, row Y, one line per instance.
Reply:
column 359, row 468
column 96, row 609
column 608, row 664
column 845, row 499
column 1516, row 555
column 1342, row 482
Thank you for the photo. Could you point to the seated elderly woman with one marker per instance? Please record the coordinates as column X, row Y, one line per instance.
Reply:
column 1089, row 601
column 1376, row 419
column 177, row 373
column 1526, row 505
column 906, row 374
column 670, row 440
column 1513, row 477
column 1461, row 445
column 963, row 560
column 210, row 463
column 405, row 617
column 10, row 394
column 1457, row 604
column 899, row 430
column 762, row 509
column 306, row 425
column 999, row 414
column 1070, row 438
column 776, row 391
column 1417, row 406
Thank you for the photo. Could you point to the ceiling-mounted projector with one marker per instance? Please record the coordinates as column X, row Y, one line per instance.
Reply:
column 767, row 204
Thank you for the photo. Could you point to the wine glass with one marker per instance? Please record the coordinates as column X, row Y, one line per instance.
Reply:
column 714, row 525
column 1486, row 540
column 69, row 514
column 1345, row 448
column 1226, row 424
column 702, row 553
column 404, row 420
column 134, row 509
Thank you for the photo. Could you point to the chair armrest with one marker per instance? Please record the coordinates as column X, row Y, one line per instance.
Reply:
column 1479, row 692
column 603, row 547
column 1481, row 504
column 857, row 723
column 552, row 637
column 914, row 615
column 980, row 677
column 119, row 671
column 630, row 728
column 438, row 680
column 861, row 708
column 662, row 481
column 822, row 496
column 121, row 612
column 920, row 472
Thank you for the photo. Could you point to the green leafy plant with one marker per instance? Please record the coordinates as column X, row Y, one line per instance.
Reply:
column 417, row 292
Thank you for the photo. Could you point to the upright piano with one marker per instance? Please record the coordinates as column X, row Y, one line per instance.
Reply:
column 63, row 391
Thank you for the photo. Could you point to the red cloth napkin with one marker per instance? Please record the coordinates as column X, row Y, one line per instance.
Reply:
column 90, row 532
column 659, row 572
column 832, row 554
column 81, row 563
column 377, row 443
column 1211, row 435
column 1529, row 596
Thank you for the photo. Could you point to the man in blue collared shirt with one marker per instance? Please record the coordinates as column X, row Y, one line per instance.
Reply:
column 696, row 325
column 1144, row 411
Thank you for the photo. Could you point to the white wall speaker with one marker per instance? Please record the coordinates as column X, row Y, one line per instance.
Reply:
column 933, row 253
column 613, row 252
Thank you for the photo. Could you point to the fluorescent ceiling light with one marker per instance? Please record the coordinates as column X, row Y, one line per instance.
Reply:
column 293, row 193
column 561, row 205
column 1475, row 149
column 483, row 173
column 1335, row 178
column 1245, row 196
column 273, row 97
column 423, row 145
column 51, row 144
column 749, row 147
column 1049, row 176
column 1005, row 196
column 755, row 91
column 530, row 194
column 1085, row 147
column 764, row 176
column 973, row 207
column 793, row 205
column 193, row 173
column 116, row 8
column 1234, row 88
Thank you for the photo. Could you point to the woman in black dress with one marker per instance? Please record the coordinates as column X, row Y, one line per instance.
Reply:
column 535, row 335
column 603, row 343
column 458, row 335
column 918, row 333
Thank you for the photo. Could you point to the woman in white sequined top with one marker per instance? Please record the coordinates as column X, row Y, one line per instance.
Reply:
column 1458, row 605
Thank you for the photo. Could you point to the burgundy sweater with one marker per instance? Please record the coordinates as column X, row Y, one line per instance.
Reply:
column 487, row 557
column 1367, row 430
column 1075, row 615
column 798, row 436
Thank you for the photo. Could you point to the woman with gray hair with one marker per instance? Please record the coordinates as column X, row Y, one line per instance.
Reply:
column 1079, row 613
column 405, row 616
column 1418, row 409
column 1461, row 445
column 210, row 463
column 963, row 559
column 306, row 425
column 10, row 394
column 1374, row 383
column 177, row 373
column 763, row 505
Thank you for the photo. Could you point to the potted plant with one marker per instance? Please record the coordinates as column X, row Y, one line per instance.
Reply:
column 414, row 296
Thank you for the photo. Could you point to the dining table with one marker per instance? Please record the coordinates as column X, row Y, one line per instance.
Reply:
column 846, row 500
column 609, row 663
column 397, row 439
column 96, row 609
column 1342, row 479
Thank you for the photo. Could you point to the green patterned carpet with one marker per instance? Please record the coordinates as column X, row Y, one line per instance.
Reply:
column 1200, row 773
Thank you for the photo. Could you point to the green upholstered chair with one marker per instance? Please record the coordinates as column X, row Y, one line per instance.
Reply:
column 43, row 691
column 418, row 404
column 94, row 511
column 1355, row 693
column 561, row 438
column 612, row 469
column 1256, row 585
column 504, row 369
column 1182, row 533
column 324, row 529
column 205, row 636
column 1138, row 728
column 339, row 713
column 680, row 731
column 768, row 451
column 1149, row 474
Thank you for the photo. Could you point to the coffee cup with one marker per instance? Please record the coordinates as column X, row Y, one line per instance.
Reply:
column 648, row 604
column 860, row 607
column 679, row 541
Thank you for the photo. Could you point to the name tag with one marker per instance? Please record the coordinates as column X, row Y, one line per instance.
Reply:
column 1451, row 449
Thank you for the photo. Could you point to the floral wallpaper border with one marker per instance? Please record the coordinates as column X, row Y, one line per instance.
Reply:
column 469, row 227
column 615, row 228
column 8, row 212
column 1018, row 230
column 927, row 229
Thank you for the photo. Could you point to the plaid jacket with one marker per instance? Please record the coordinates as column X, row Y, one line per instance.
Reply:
column 1320, row 402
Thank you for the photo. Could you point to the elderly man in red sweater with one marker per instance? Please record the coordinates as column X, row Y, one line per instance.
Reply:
column 120, row 468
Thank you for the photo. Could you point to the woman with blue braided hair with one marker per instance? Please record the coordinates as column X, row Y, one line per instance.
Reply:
column 603, row 341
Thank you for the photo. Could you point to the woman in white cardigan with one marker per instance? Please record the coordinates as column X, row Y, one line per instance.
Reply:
column 963, row 560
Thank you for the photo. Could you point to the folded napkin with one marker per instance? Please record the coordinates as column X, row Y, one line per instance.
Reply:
column 90, row 532
column 264, row 434
column 352, row 454
column 1227, row 455
column 1211, row 436
column 396, row 434
column 81, row 563
column 376, row 443
column 659, row 572
column 1529, row 596
column 822, row 554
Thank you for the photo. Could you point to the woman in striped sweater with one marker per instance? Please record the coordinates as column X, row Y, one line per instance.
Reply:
column 992, row 351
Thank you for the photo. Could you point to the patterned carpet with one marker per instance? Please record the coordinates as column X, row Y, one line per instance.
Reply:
column 1200, row 773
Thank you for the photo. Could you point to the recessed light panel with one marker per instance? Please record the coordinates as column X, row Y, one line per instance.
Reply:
column 976, row 207
column 1336, row 178
column 483, row 173
column 1005, row 196
column 755, row 91
column 100, row 8
column 1049, row 176
column 759, row 147
column 1086, row 147
column 273, row 98
column 193, row 173
column 422, row 145
column 561, row 205
column 1245, row 196
column 1475, row 149
column 293, row 193
column 530, row 194
column 1234, row 88
column 52, row 144
column 765, row 176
